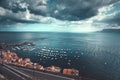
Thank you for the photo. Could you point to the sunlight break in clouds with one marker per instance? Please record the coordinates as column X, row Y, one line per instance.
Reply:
column 89, row 25
column 35, row 17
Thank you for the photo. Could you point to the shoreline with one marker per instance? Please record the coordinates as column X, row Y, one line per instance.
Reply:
column 11, row 58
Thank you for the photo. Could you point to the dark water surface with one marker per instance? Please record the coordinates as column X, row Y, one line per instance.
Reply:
column 96, row 55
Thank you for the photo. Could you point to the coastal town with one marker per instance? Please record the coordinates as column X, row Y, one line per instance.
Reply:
column 11, row 58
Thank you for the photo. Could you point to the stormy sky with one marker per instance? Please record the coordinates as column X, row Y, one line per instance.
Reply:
column 59, row 15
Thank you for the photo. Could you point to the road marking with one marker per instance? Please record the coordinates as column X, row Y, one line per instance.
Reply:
column 14, row 73
column 48, row 74
column 17, row 70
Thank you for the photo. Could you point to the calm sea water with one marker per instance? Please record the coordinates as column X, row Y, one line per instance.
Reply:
column 96, row 55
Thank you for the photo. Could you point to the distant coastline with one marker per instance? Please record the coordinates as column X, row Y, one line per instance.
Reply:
column 111, row 30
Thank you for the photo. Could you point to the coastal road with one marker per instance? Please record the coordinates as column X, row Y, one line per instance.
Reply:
column 18, row 73
column 13, row 74
column 38, row 75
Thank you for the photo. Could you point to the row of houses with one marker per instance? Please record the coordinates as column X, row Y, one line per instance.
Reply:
column 12, row 58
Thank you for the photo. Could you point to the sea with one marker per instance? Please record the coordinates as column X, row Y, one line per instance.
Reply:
column 95, row 55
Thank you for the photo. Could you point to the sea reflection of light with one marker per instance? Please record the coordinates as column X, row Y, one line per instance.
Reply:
column 28, row 36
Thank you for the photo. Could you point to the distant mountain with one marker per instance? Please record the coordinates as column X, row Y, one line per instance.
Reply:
column 111, row 30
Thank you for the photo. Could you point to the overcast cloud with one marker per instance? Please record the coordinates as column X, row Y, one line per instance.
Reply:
column 75, row 12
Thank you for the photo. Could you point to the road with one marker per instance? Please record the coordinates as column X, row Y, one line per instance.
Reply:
column 13, row 74
column 18, row 73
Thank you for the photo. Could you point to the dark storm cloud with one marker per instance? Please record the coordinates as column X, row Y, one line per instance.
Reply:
column 35, row 6
column 9, row 21
column 13, row 5
column 20, row 11
column 38, row 7
column 114, row 20
column 8, row 17
column 76, row 9
column 112, row 15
